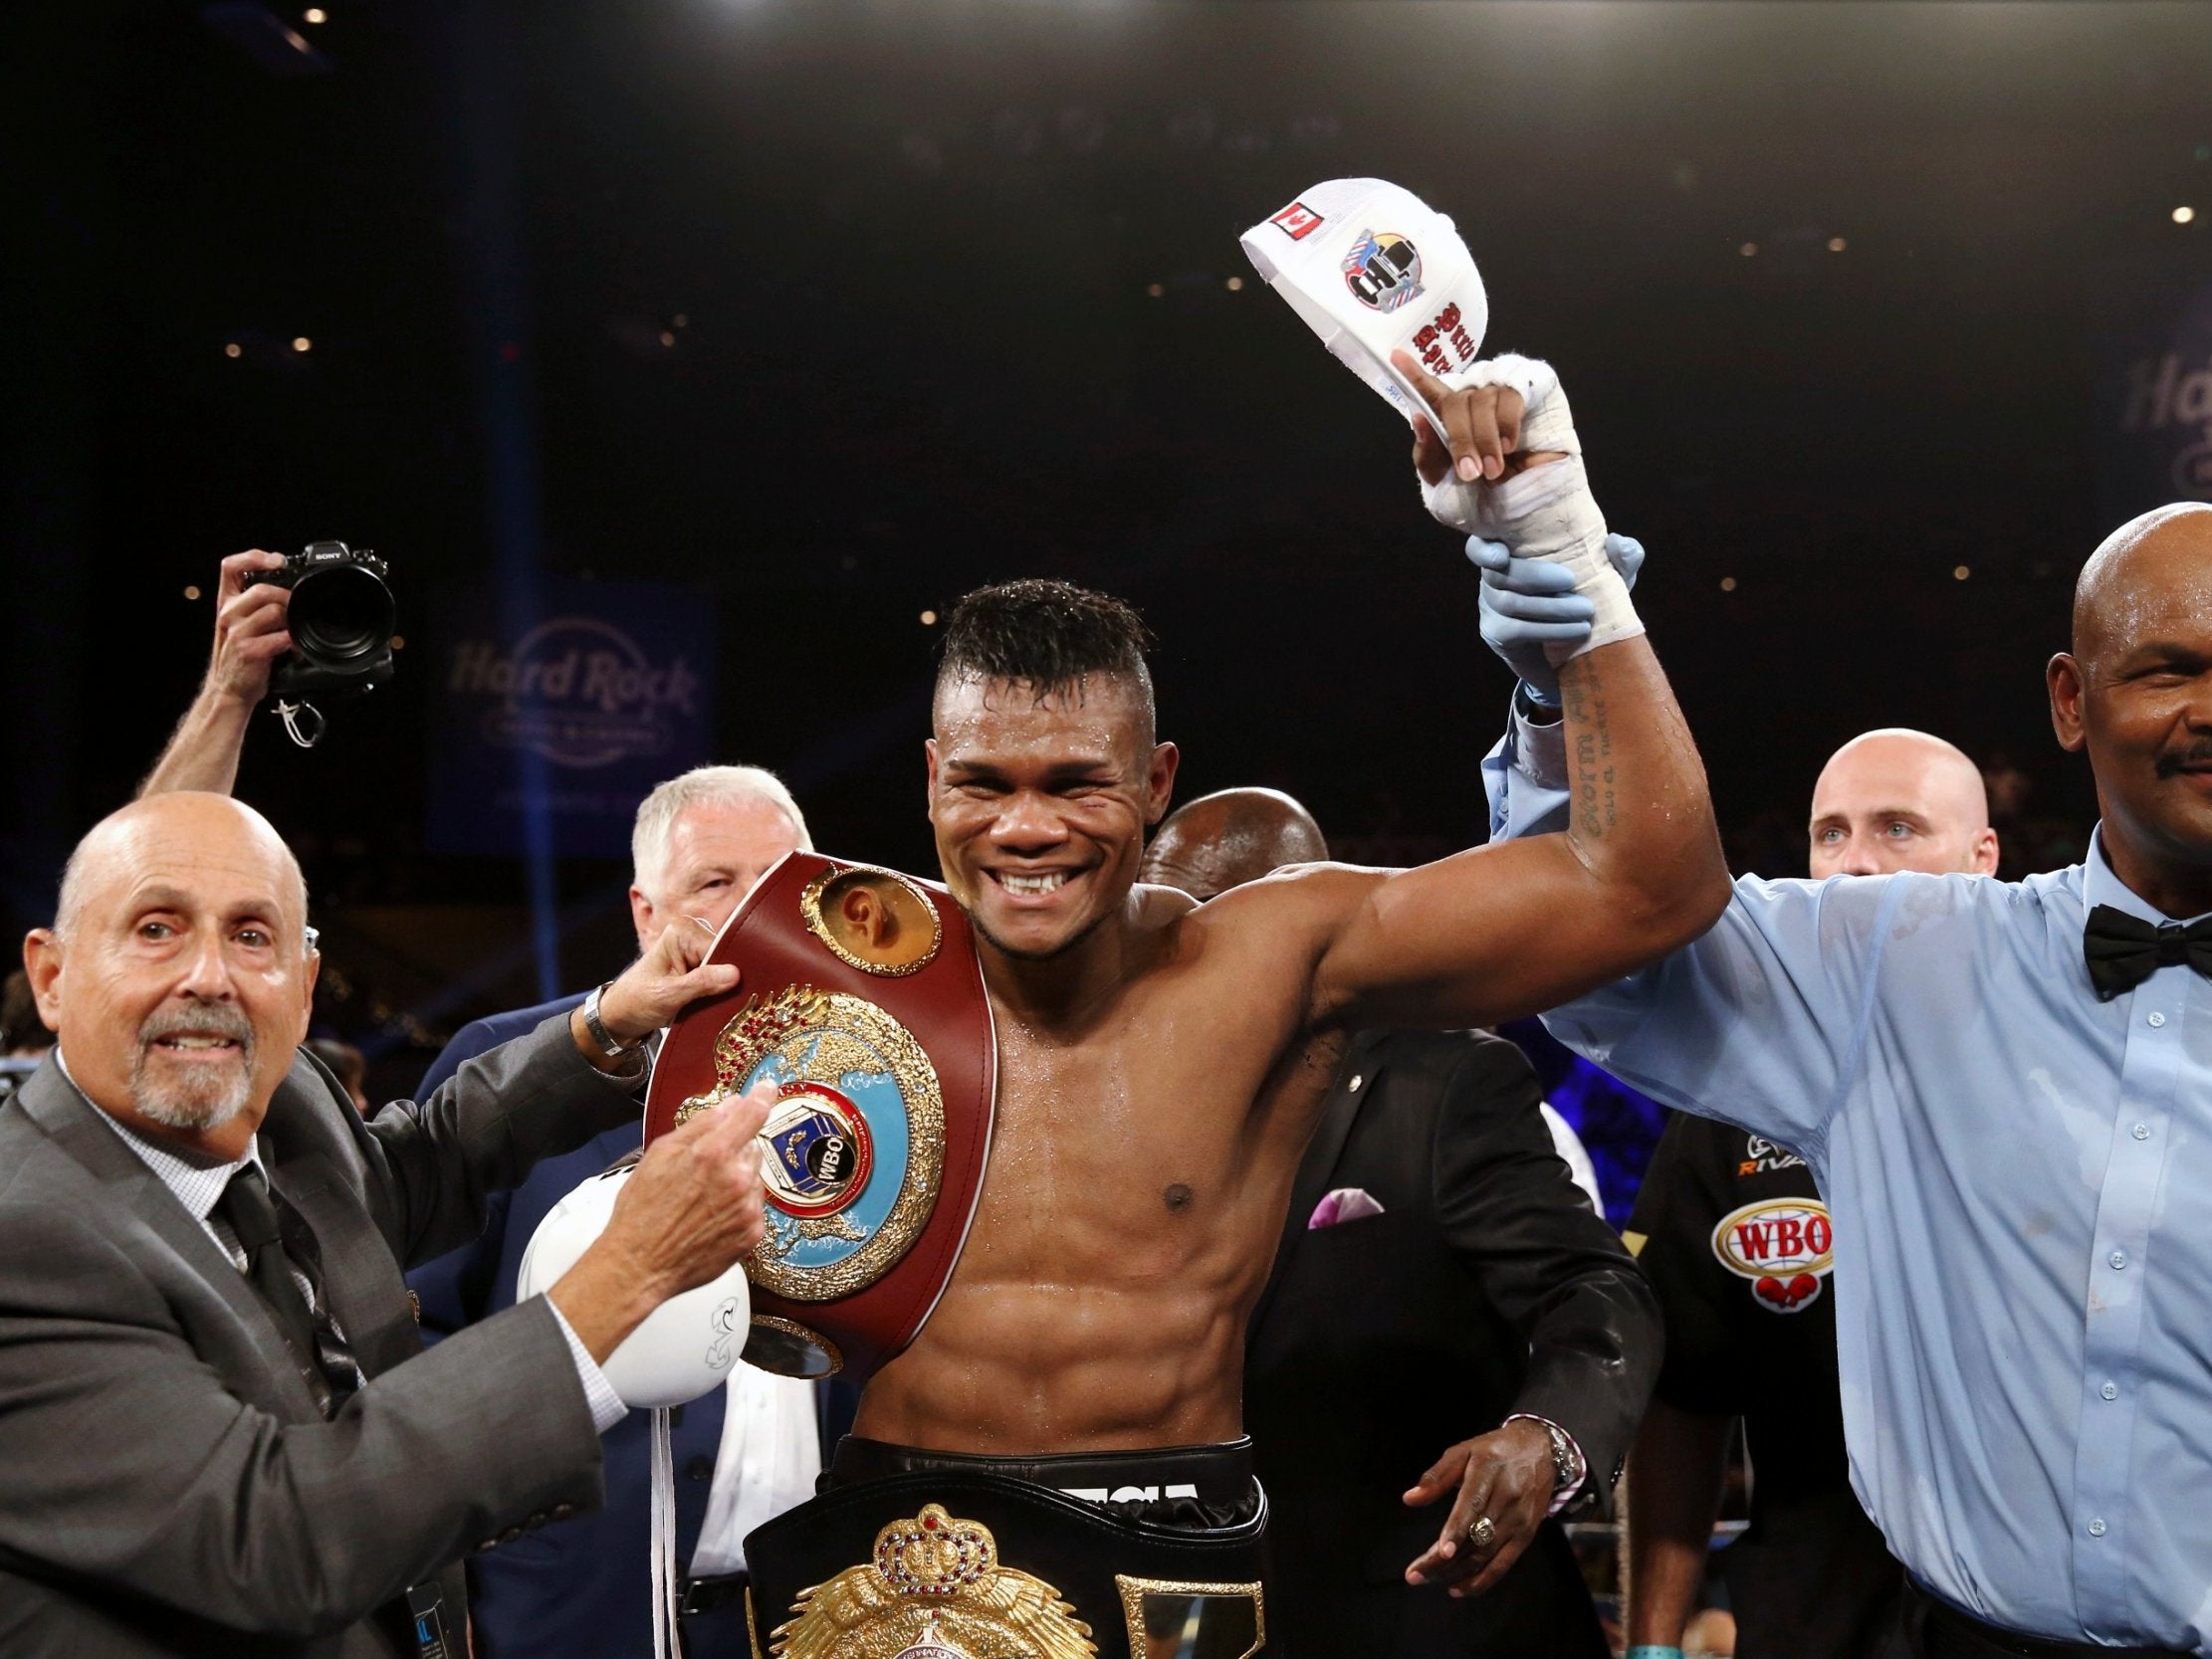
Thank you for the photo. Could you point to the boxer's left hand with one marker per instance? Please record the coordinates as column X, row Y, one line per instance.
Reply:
column 1473, row 432
column 1505, row 1474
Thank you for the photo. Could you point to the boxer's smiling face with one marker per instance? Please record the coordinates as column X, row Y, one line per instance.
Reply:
column 1041, row 804
column 2137, row 694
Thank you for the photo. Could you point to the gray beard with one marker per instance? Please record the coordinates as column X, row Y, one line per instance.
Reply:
column 176, row 1103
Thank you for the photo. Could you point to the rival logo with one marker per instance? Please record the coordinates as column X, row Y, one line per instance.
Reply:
column 1297, row 221
column 1762, row 1156
column 1784, row 1246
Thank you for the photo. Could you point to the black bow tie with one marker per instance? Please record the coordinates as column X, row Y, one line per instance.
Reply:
column 2124, row 951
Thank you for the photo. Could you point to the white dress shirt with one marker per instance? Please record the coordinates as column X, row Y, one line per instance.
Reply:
column 767, row 1461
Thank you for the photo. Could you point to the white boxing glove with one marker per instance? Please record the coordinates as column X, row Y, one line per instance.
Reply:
column 1545, row 511
column 686, row 1347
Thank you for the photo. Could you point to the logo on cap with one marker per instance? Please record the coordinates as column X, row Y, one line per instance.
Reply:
column 1383, row 270
column 1297, row 221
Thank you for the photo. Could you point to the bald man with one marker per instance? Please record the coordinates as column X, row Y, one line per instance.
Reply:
column 1231, row 837
column 217, row 1435
column 2005, row 1091
column 1750, row 1330
column 1508, row 1314
column 1898, row 799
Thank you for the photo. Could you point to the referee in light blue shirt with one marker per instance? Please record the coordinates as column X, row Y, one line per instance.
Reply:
column 2005, row 1092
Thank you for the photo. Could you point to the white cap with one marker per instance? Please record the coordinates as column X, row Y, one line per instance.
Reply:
column 686, row 1347
column 1373, row 269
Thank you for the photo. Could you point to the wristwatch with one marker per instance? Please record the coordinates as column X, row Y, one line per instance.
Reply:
column 609, row 1045
column 1566, row 1467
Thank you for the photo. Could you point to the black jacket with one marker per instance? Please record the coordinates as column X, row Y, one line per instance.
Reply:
column 1487, row 1286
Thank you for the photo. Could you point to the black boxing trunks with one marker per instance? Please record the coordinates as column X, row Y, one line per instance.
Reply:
column 913, row 1553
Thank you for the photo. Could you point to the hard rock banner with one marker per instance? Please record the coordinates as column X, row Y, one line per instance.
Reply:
column 2153, row 394
column 551, row 721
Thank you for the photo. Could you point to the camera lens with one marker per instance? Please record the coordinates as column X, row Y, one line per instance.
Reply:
column 342, row 612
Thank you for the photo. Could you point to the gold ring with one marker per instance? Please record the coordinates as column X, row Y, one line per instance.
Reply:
column 1483, row 1533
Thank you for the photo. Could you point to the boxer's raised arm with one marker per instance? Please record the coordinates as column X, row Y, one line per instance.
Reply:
column 1514, row 929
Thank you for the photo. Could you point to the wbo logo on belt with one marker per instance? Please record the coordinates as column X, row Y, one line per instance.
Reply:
column 861, row 1001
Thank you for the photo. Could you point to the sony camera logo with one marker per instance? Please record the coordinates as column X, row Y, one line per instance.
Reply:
column 578, row 691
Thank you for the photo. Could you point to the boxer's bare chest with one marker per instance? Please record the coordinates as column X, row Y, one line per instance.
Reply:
column 1140, row 1168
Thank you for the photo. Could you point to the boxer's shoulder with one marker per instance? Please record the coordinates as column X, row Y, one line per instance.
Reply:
column 1279, row 904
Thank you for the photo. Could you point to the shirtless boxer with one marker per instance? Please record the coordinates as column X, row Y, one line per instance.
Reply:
column 1161, row 1062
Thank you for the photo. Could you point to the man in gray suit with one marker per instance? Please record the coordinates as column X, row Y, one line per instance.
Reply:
column 217, row 1433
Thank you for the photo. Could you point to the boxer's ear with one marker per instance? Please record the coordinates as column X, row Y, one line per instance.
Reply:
column 1160, row 781
column 2068, row 696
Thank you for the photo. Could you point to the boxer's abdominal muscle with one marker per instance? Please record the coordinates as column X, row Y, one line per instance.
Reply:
column 1130, row 1217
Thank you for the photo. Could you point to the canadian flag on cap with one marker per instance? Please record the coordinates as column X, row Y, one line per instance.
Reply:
column 1373, row 269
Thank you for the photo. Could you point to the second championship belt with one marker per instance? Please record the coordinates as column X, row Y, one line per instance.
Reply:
column 861, row 1000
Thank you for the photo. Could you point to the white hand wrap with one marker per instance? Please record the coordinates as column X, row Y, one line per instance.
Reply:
column 1547, row 511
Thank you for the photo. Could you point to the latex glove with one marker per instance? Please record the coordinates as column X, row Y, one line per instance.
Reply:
column 1530, row 604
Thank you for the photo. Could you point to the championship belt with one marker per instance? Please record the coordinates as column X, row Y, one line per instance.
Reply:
column 974, row 1566
column 861, row 1000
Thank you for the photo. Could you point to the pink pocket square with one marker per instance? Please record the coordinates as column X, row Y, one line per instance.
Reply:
column 1346, row 1203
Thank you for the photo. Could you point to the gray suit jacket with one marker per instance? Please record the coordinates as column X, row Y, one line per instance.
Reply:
column 168, row 1485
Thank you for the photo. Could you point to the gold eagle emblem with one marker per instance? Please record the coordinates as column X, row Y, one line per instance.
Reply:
column 934, row 1587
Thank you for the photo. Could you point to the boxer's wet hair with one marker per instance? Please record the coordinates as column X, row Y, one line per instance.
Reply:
column 1048, row 636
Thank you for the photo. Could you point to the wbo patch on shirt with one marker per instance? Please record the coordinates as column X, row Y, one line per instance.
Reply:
column 1785, row 1247
column 1762, row 1156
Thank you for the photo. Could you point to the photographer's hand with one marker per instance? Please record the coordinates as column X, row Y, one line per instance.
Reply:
column 250, row 635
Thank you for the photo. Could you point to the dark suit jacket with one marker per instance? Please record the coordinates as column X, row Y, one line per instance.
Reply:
column 580, row 1589
column 168, row 1483
column 1487, row 1286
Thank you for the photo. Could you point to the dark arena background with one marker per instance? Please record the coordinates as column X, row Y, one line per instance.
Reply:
column 723, row 344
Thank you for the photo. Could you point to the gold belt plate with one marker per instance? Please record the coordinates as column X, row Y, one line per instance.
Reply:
column 934, row 1589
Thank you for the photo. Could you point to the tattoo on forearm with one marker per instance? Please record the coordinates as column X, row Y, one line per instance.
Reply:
column 1596, row 803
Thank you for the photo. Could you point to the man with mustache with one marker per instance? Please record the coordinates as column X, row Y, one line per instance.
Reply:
column 218, row 1434
column 700, row 842
column 2003, row 1089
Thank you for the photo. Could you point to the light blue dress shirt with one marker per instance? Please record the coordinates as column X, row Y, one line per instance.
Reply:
column 2022, row 1182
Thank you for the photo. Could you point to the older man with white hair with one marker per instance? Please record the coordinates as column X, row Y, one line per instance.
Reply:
column 743, row 1453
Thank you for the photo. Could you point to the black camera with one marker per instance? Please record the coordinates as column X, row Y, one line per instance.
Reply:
column 342, row 620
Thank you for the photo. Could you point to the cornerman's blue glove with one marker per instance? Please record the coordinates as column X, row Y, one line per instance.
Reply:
column 1530, row 603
